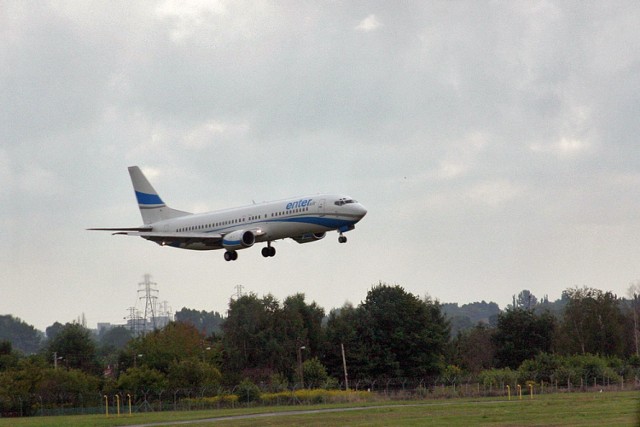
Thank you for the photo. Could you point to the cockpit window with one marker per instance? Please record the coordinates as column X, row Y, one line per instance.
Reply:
column 344, row 201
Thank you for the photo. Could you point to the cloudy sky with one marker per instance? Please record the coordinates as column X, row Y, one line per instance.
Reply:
column 494, row 144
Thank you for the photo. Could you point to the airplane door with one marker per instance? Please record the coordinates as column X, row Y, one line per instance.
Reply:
column 321, row 204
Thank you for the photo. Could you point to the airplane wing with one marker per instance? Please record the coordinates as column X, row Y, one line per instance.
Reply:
column 182, row 239
column 173, row 239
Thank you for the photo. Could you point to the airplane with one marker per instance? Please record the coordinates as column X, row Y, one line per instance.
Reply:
column 304, row 219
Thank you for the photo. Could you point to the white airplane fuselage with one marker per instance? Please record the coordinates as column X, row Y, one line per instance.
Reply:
column 303, row 219
column 289, row 218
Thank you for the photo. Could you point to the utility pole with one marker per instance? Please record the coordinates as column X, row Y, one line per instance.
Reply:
column 344, row 365
column 300, row 364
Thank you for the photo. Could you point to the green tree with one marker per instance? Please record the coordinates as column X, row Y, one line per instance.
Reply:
column 391, row 334
column 526, row 300
column 192, row 373
column 315, row 374
column 110, row 344
column 115, row 338
column 262, row 338
column 22, row 336
column 520, row 335
column 18, row 385
column 404, row 336
column 8, row 357
column 303, row 321
column 142, row 380
column 70, row 387
column 468, row 315
column 474, row 350
column 342, row 330
column 250, row 336
column 593, row 322
column 207, row 322
column 159, row 349
column 53, row 330
column 75, row 346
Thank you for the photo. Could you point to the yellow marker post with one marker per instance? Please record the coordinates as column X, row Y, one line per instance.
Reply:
column 509, row 391
column 531, row 390
column 106, row 405
column 118, row 403
column 519, row 391
column 129, row 397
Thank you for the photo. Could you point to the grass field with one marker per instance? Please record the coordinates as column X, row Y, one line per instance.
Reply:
column 570, row 409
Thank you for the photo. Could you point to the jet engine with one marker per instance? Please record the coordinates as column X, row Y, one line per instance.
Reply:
column 239, row 239
column 309, row 237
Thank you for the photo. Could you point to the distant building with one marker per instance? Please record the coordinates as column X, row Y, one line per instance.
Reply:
column 104, row 327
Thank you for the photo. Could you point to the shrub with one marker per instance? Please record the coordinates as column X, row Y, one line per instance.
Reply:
column 498, row 377
column 247, row 392
column 315, row 374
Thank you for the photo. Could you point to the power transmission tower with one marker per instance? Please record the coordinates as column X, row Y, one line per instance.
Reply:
column 150, row 296
column 238, row 293
column 134, row 321
column 164, row 315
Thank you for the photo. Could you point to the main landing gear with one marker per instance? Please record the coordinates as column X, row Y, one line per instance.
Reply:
column 230, row 256
column 342, row 239
column 268, row 251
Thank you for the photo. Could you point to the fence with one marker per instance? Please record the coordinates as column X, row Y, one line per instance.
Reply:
column 145, row 400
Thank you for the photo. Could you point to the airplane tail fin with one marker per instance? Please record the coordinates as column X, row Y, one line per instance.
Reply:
column 152, row 208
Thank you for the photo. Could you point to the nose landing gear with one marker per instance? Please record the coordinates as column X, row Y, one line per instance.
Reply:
column 342, row 239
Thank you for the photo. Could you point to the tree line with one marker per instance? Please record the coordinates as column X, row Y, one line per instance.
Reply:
column 587, row 336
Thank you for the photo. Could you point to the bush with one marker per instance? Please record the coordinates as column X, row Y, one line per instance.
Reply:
column 277, row 383
column 315, row 374
column 226, row 400
column 247, row 392
column 308, row 396
column 541, row 368
column 498, row 377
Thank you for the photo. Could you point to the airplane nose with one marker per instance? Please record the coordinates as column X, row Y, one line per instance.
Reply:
column 361, row 210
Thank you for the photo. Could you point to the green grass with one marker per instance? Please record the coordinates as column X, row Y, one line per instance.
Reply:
column 573, row 409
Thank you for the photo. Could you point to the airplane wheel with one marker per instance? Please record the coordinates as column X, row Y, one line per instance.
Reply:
column 230, row 256
column 342, row 239
column 268, row 251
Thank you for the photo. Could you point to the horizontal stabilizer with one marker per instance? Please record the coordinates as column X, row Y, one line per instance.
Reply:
column 140, row 229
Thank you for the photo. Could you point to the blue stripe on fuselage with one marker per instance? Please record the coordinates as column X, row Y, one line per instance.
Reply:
column 324, row 222
column 148, row 199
